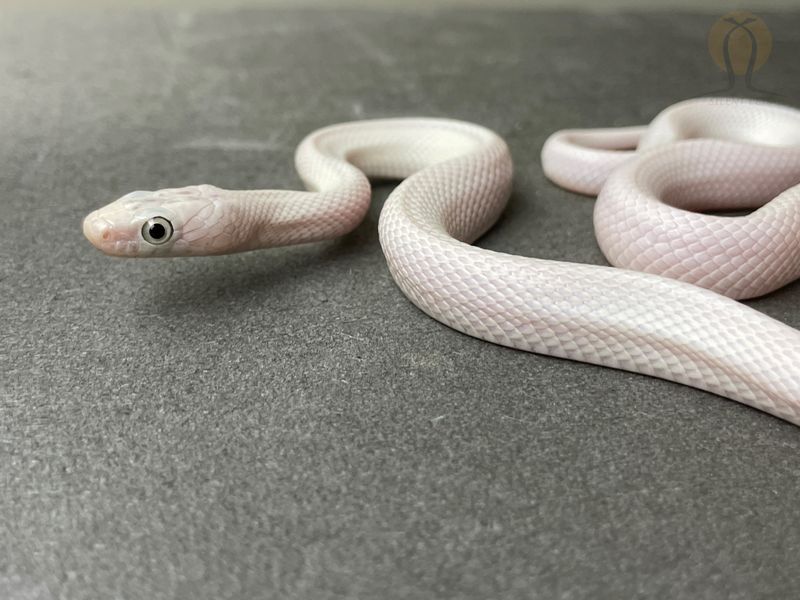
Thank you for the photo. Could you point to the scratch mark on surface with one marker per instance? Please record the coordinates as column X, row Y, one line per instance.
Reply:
column 358, row 109
column 173, row 43
column 369, row 47
column 230, row 144
column 409, row 83
column 32, row 168
column 510, row 418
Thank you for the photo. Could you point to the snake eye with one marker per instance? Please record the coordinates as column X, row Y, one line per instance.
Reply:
column 157, row 230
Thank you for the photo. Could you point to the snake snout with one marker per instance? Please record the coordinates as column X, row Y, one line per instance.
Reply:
column 106, row 237
column 96, row 229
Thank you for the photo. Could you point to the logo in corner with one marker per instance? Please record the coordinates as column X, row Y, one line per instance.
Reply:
column 740, row 43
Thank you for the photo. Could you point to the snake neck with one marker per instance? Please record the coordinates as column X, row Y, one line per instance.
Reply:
column 271, row 218
column 336, row 162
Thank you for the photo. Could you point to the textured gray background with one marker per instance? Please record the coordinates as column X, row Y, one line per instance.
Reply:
column 284, row 423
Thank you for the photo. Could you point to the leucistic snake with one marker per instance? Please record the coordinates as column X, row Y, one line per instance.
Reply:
column 651, row 218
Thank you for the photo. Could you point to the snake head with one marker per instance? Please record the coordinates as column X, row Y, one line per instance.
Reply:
column 187, row 221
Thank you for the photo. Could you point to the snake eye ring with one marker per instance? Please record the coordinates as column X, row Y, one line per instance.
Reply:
column 157, row 230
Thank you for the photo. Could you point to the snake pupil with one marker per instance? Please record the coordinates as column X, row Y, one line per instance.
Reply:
column 157, row 231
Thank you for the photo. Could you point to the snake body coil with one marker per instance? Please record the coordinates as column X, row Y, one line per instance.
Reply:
column 456, row 182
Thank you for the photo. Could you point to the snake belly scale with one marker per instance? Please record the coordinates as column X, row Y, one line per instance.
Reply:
column 456, row 182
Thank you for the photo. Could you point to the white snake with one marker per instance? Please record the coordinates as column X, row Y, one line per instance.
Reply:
column 457, row 179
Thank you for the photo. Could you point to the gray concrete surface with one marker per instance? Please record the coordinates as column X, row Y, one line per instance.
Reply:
column 284, row 424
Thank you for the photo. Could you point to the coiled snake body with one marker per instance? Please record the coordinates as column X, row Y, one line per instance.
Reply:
column 456, row 181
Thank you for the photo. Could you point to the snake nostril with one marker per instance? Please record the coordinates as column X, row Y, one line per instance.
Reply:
column 96, row 230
